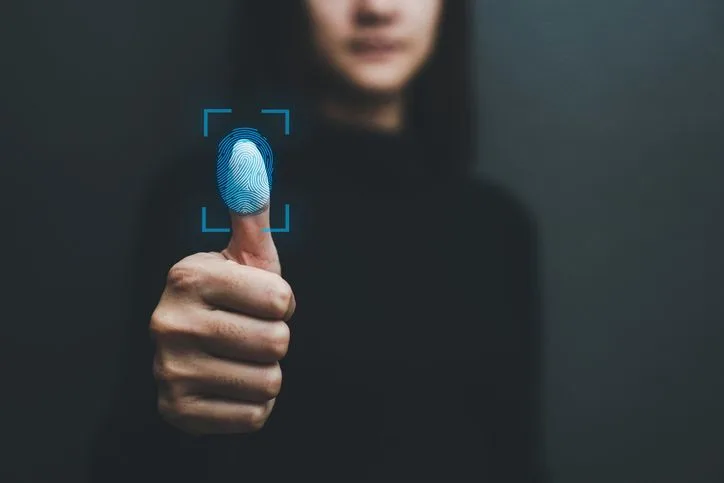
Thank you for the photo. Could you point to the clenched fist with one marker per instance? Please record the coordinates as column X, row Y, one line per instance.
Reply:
column 220, row 330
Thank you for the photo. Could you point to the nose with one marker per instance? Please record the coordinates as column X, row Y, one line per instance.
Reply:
column 375, row 12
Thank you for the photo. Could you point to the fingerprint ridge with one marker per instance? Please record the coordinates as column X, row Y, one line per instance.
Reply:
column 244, row 171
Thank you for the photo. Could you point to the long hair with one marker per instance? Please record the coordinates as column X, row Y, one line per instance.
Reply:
column 272, row 62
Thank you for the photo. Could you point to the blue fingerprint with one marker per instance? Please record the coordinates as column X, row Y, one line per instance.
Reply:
column 244, row 167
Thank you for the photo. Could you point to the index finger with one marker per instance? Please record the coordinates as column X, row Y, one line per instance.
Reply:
column 248, row 290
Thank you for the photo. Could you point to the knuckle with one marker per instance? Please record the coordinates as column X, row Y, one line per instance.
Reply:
column 280, row 298
column 256, row 419
column 170, row 372
column 276, row 342
column 176, row 411
column 181, row 414
column 271, row 383
column 169, row 323
column 184, row 277
column 162, row 322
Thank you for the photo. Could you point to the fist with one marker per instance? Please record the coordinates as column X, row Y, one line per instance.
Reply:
column 220, row 330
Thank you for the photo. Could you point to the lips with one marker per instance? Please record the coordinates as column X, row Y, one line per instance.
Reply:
column 374, row 46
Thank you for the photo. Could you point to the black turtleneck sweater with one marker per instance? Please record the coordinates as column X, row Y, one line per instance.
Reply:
column 413, row 352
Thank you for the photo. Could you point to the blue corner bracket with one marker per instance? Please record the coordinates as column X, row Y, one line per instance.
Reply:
column 206, row 118
column 206, row 229
column 285, row 112
column 287, row 130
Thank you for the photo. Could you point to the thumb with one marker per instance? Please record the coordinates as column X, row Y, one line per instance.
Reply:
column 244, row 186
column 250, row 244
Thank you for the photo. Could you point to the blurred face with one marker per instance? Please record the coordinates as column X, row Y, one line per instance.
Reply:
column 374, row 46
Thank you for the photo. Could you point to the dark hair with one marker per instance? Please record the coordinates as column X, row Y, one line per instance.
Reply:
column 271, row 62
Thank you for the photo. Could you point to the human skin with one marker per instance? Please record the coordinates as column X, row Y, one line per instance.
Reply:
column 374, row 49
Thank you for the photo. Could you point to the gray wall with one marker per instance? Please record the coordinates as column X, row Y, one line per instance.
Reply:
column 607, row 117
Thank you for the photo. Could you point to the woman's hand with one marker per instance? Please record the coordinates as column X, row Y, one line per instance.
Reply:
column 220, row 330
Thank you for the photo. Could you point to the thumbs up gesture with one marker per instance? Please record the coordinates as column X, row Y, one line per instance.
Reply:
column 220, row 330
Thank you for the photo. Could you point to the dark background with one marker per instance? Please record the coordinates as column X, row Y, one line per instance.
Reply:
column 606, row 117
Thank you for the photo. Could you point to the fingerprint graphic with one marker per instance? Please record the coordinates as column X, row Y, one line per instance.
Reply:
column 244, row 168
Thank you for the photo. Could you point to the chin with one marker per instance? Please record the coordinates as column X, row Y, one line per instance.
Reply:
column 378, row 89
column 377, row 86
column 377, row 80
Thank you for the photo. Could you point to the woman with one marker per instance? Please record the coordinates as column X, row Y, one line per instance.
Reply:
column 387, row 336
